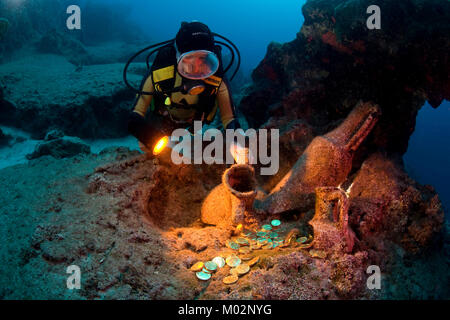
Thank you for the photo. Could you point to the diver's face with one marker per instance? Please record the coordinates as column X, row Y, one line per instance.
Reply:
column 195, row 65
column 198, row 64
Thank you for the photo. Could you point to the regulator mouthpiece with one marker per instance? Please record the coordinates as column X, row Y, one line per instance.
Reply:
column 194, row 87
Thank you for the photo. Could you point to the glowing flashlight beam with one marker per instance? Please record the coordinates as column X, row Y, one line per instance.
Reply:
column 160, row 145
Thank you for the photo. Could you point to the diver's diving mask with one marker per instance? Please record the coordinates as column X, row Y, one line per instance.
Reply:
column 198, row 64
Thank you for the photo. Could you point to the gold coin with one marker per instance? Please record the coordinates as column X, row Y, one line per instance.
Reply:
column 262, row 240
column 245, row 250
column 219, row 261
column 292, row 235
column 233, row 271
column 233, row 261
column 268, row 246
column 211, row 266
column 204, row 270
column 246, row 257
column 242, row 241
column 302, row 239
column 203, row 276
column 232, row 245
column 275, row 223
column 254, row 261
column 197, row 267
column 230, row 279
column 256, row 246
column 242, row 269
column 247, row 233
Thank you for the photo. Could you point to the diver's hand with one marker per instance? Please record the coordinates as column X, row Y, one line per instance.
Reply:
column 240, row 154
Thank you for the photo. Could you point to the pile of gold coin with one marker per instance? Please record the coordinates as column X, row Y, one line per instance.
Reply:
column 270, row 236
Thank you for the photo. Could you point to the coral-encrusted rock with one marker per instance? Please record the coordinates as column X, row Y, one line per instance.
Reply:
column 335, row 61
column 348, row 274
column 60, row 148
column 386, row 204
column 91, row 103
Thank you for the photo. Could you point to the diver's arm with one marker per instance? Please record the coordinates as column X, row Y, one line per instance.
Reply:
column 137, row 125
column 239, row 152
column 226, row 106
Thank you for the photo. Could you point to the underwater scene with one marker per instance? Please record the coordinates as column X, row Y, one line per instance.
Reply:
column 234, row 150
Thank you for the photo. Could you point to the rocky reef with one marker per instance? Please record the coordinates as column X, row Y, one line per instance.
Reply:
column 86, row 102
column 335, row 61
column 70, row 80
column 345, row 100
column 308, row 86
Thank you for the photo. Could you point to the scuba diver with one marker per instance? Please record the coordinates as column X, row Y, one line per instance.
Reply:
column 185, row 83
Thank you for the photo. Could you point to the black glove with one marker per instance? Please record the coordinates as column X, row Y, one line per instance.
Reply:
column 141, row 129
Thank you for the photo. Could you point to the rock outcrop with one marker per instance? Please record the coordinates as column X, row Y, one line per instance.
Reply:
column 56, row 42
column 307, row 87
column 59, row 146
column 87, row 102
column 335, row 61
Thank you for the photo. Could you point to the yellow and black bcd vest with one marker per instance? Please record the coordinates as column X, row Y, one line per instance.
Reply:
column 163, row 73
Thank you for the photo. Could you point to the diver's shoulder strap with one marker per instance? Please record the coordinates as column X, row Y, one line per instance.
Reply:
column 141, row 87
column 164, row 68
